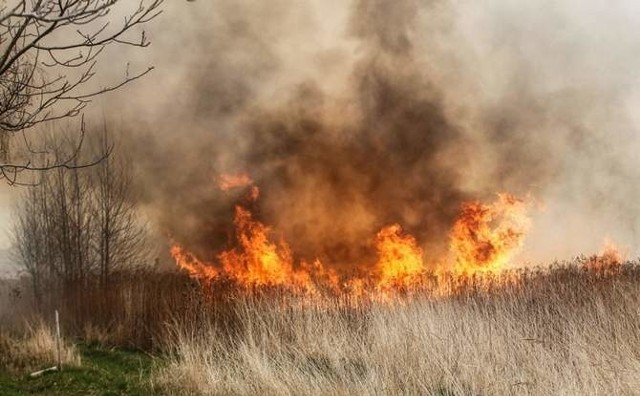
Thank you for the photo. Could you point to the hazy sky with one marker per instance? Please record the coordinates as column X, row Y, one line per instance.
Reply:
column 7, row 195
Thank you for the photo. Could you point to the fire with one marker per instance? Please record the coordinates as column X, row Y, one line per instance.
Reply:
column 609, row 259
column 487, row 236
column 228, row 182
column 611, row 253
column 400, row 261
column 188, row 262
column 258, row 261
column 321, row 275
column 484, row 238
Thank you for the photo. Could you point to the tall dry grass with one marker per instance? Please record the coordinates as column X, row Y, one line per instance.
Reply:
column 131, row 310
column 574, row 329
column 567, row 331
column 35, row 349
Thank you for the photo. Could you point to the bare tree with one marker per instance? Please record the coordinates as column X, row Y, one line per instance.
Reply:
column 78, row 223
column 119, row 237
column 53, row 225
column 29, row 243
column 49, row 50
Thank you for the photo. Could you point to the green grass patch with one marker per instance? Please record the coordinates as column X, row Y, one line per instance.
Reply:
column 103, row 372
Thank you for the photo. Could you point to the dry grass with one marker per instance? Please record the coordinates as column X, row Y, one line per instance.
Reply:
column 567, row 331
column 131, row 311
column 563, row 332
column 35, row 350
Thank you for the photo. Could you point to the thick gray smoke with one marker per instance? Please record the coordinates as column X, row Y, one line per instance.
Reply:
column 354, row 115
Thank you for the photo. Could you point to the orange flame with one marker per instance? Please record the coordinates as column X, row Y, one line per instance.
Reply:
column 258, row 261
column 227, row 182
column 400, row 260
column 188, row 262
column 487, row 236
column 483, row 239
column 609, row 259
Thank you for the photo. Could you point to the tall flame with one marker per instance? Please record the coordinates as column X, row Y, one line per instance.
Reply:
column 258, row 261
column 485, row 237
column 400, row 261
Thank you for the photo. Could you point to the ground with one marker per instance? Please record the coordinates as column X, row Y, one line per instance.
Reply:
column 103, row 372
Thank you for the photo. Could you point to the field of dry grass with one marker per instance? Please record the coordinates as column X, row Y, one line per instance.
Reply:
column 567, row 332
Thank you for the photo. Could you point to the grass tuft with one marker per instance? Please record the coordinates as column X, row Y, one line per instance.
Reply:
column 35, row 350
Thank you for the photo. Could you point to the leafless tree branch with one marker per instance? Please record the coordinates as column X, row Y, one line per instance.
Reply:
column 49, row 52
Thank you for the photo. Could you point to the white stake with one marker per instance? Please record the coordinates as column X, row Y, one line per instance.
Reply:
column 58, row 340
column 39, row 373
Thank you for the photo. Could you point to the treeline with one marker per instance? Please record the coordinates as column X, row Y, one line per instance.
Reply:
column 73, row 223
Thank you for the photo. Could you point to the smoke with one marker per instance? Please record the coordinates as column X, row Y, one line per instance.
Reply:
column 355, row 115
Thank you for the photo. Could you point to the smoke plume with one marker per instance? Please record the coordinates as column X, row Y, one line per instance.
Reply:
column 351, row 116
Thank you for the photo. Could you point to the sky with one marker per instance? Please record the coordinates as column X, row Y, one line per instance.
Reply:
column 7, row 198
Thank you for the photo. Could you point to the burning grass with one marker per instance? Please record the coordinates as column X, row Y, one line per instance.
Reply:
column 483, row 240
